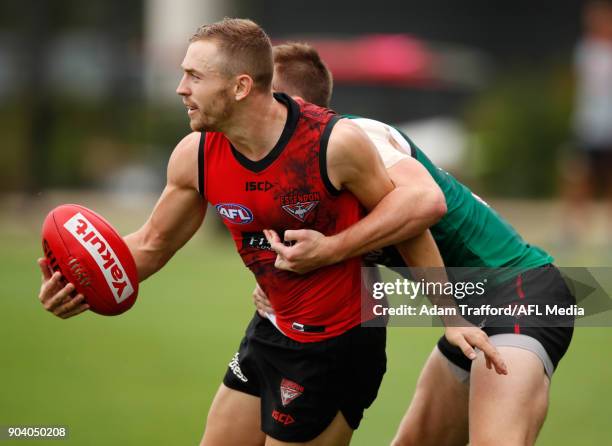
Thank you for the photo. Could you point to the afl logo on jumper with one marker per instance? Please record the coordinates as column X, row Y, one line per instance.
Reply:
column 236, row 213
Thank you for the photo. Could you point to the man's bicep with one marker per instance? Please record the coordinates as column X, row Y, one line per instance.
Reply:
column 176, row 216
column 410, row 172
column 355, row 165
column 371, row 185
column 180, row 209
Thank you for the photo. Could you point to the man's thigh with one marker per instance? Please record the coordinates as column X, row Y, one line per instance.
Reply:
column 233, row 419
column 508, row 409
column 438, row 412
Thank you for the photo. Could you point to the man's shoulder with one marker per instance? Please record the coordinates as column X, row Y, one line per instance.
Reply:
column 364, row 122
column 189, row 143
column 186, row 151
column 346, row 130
column 184, row 159
column 346, row 139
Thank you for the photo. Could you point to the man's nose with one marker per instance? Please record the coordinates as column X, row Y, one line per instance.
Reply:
column 182, row 89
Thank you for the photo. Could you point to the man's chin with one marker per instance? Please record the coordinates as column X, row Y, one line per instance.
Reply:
column 199, row 126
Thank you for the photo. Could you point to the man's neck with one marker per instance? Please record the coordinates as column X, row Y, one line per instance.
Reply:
column 256, row 128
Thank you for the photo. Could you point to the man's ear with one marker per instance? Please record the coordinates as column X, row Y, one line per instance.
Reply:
column 243, row 86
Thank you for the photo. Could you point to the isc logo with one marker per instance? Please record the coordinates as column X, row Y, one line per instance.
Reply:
column 263, row 186
column 236, row 213
column 283, row 418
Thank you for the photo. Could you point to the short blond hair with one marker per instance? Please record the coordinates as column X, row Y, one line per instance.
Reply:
column 246, row 45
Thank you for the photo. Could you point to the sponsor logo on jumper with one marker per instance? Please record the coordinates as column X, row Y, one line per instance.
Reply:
column 236, row 213
column 255, row 240
column 234, row 366
column 104, row 256
column 262, row 186
column 289, row 391
column 282, row 418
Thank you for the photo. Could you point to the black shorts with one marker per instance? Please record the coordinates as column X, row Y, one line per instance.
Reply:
column 540, row 286
column 302, row 386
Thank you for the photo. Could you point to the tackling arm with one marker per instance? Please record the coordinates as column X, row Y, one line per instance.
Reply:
column 427, row 203
column 354, row 164
column 396, row 214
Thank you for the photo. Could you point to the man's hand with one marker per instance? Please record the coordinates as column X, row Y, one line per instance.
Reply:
column 261, row 302
column 56, row 298
column 468, row 338
column 309, row 250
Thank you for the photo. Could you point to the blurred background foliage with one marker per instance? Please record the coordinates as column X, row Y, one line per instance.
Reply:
column 520, row 127
column 76, row 109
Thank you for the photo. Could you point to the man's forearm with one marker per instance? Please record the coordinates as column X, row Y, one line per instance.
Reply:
column 148, row 259
column 402, row 214
column 425, row 263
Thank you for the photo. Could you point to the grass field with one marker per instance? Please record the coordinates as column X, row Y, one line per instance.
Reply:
column 148, row 376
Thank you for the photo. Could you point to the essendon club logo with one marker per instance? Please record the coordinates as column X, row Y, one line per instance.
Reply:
column 300, row 205
column 289, row 391
column 300, row 210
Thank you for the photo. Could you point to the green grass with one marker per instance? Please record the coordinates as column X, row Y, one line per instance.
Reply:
column 148, row 376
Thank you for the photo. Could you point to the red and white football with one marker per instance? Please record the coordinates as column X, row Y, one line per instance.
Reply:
column 90, row 254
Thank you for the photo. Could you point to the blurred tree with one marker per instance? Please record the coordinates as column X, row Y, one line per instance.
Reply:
column 37, row 102
column 520, row 124
column 77, row 82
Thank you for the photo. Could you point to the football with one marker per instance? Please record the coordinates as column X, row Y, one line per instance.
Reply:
column 90, row 254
